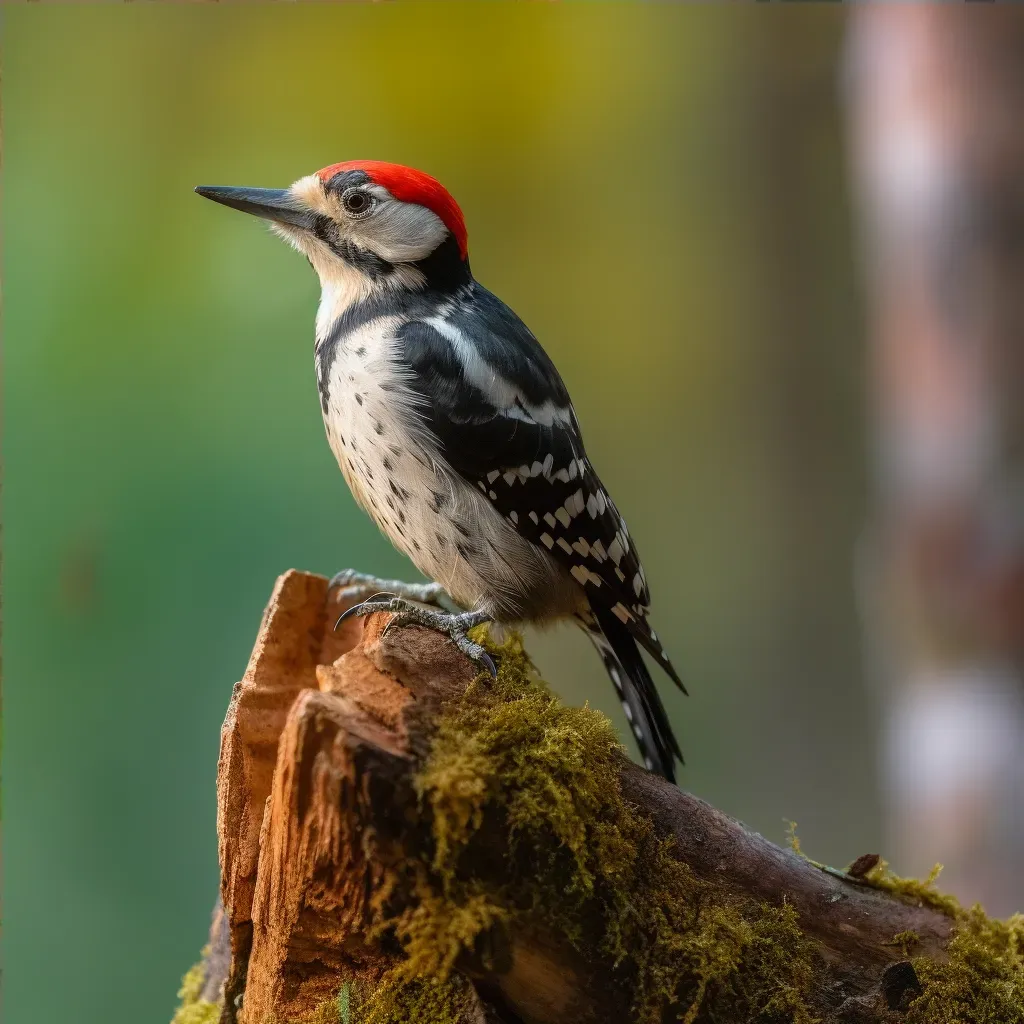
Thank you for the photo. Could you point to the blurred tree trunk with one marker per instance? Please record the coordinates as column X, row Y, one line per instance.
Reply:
column 937, row 125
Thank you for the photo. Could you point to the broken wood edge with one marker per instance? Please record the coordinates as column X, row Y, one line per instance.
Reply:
column 362, row 760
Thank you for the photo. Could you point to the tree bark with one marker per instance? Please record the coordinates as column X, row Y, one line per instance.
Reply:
column 316, row 800
column 936, row 98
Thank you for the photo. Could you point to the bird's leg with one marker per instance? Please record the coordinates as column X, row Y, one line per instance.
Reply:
column 454, row 625
column 358, row 586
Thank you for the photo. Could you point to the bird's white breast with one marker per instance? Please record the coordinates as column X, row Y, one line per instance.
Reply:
column 370, row 423
column 395, row 471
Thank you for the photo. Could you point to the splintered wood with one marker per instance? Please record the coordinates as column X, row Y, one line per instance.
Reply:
column 296, row 800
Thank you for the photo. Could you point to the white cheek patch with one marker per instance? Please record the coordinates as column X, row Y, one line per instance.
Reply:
column 399, row 232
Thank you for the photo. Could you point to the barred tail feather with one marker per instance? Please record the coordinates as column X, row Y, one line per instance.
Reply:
column 635, row 687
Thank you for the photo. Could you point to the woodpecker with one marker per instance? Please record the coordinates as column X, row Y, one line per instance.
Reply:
column 456, row 434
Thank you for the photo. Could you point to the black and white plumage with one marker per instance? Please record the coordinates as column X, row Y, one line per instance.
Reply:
column 453, row 428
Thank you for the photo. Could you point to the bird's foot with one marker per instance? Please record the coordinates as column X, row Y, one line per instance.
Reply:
column 453, row 625
column 358, row 586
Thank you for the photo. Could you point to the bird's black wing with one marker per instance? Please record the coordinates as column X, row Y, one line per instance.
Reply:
column 495, row 402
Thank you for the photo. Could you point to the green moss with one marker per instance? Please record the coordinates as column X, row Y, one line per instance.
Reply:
column 794, row 840
column 192, row 1009
column 579, row 860
column 345, row 1003
column 328, row 1012
column 905, row 941
column 983, row 980
column 920, row 892
column 396, row 999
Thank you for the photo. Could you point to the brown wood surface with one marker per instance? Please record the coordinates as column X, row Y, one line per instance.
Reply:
column 316, row 799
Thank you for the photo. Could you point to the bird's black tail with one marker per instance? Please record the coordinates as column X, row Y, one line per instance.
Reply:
column 636, row 690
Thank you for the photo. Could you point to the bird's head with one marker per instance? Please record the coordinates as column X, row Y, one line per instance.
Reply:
column 364, row 225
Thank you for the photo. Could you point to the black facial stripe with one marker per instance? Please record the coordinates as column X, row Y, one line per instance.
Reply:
column 363, row 260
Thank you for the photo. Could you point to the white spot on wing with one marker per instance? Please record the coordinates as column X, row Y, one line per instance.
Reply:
column 500, row 392
column 547, row 541
column 545, row 414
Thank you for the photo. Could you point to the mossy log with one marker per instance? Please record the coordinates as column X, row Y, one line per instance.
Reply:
column 402, row 841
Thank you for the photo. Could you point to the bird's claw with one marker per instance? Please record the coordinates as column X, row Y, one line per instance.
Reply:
column 454, row 626
column 484, row 659
column 472, row 650
column 374, row 603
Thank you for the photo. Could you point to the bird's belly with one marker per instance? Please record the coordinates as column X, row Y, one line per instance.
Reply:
column 386, row 470
column 448, row 529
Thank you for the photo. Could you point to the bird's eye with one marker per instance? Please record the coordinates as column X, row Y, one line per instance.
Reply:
column 357, row 202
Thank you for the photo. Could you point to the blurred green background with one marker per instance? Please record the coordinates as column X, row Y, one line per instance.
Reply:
column 657, row 190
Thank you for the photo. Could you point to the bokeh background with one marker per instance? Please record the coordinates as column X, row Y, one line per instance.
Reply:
column 662, row 192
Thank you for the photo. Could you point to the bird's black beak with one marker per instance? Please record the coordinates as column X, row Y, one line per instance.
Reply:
column 276, row 204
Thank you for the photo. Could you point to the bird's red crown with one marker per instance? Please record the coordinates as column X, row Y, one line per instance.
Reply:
column 408, row 185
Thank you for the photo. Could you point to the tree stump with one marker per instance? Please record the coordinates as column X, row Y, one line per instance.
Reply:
column 342, row 901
